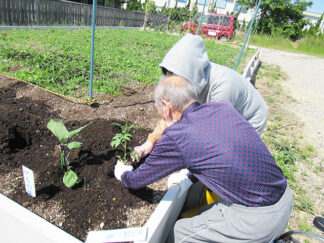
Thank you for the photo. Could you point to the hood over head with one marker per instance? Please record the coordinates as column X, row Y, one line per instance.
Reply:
column 188, row 58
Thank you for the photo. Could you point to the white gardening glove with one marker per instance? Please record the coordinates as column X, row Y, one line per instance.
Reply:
column 120, row 168
column 180, row 179
column 143, row 150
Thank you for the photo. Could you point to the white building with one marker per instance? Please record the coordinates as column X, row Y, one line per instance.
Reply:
column 313, row 17
column 321, row 27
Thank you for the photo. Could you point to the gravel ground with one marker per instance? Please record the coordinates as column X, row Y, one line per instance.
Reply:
column 305, row 84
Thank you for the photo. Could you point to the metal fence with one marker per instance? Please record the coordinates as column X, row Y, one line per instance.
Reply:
column 54, row 12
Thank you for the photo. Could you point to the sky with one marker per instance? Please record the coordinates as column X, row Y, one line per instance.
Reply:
column 318, row 6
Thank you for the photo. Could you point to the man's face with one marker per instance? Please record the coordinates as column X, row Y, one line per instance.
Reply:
column 166, row 112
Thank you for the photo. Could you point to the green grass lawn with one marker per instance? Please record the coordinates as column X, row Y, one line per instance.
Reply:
column 59, row 60
column 312, row 45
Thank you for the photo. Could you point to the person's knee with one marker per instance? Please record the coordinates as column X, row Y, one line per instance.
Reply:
column 177, row 227
column 179, row 230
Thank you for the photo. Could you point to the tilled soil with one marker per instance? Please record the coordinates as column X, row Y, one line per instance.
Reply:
column 98, row 200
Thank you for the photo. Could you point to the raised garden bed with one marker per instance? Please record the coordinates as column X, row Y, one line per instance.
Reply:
column 98, row 201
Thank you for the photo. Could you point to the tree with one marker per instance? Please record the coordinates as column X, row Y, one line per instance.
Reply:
column 281, row 16
column 135, row 6
column 151, row 7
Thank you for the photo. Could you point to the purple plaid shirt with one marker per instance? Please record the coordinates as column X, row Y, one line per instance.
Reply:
column 222, row 150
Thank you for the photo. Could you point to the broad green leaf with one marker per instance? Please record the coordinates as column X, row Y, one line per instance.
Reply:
column 115, row 143
column 118, row 135
column 72, row 133
column 127, row 135
column 70, row 178
column 73, row 145
column 59, row 130
column 134, row 126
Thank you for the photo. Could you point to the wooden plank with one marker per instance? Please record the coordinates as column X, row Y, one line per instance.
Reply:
column 3, row 18
column 13, row 13
column 72, row 13
column 4, row 12
column 40, row 12
column 32, row 13
column 50, row 8
column 46, row 14
column 79, row 14
column 24, row 12
column 89, row 19
column 54, row 14
column 60, row 14
column 18, row 12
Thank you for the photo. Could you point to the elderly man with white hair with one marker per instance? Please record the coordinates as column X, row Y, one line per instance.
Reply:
column 188, row 58
column 214, row 144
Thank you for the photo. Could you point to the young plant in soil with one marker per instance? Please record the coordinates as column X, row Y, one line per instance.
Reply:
column 64, row 135
column 122, row 138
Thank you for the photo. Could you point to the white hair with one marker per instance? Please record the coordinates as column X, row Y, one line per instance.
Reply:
column 177, row 95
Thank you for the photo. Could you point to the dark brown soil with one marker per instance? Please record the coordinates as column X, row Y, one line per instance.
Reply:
column 98, row 200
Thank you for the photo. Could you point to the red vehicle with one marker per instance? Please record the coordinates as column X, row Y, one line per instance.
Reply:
column 219, row 26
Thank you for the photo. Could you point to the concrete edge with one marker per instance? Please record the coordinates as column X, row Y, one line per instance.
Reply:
column 251, row 68
column 33, row 228
column 18, row 224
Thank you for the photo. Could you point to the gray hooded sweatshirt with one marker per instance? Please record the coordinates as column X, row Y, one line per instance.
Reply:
column 213, row 82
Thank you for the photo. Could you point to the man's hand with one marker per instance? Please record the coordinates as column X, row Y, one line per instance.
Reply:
column 120, row 168
column 143, row 150
column 180, row 179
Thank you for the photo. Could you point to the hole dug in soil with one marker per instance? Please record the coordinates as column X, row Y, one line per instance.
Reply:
column 17, row 140
column 98, row 201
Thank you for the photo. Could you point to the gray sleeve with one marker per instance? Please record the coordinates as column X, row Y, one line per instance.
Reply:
column 224, row 90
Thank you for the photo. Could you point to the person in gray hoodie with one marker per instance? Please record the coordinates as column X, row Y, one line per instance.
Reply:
column 188, row 58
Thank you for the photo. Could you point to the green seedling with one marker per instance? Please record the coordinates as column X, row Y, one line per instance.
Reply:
column 122, row 139
column 64, row 135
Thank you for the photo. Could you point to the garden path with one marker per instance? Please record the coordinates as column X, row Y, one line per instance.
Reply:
column 305, row 84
